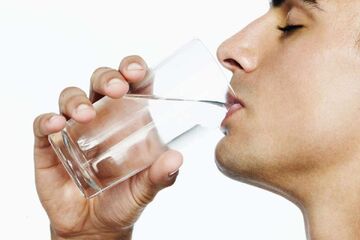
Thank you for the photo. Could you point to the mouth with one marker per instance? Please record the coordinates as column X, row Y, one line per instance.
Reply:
column 233, row 104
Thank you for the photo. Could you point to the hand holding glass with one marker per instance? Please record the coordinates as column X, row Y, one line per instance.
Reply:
column 130, row 133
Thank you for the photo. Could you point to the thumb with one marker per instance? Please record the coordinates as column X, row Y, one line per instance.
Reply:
column 161, row 174
column 164, row 171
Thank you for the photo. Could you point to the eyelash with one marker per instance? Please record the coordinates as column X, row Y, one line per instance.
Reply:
column 289, row 28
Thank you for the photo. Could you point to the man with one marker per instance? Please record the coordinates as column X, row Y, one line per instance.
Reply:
column 297, row 76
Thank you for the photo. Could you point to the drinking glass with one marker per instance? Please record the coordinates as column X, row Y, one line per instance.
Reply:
column 129, row 134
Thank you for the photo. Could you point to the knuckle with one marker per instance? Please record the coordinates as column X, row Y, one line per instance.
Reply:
column 37, row 123
column 131, row 59
column 72, row 102
column 136, row 58
column 100, row 83
column 98, row 72
column 77, row 99
column 69, row 92
column 101, row 70
column 143, row 191
column 144, row 198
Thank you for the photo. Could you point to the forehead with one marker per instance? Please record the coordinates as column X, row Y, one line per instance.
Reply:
column 329, row 7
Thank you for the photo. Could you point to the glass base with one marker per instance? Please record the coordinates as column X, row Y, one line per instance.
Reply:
column 75, row 164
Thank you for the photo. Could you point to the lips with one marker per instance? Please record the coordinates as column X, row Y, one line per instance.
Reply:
column 231, row 100
column 233, row 104
column 233, row 108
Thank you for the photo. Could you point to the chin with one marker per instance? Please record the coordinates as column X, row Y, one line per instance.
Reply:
column 227, row 160
column 260, row 163
column 241, row 162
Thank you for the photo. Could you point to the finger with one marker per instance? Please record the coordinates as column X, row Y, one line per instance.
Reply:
column 164, row 171
column 45, row 125
column 73, row 103
column 49, row 174
column 107, row 82
column 136, row 72
column 161, row 174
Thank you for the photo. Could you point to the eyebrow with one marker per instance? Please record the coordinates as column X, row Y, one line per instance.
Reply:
column 278, row 3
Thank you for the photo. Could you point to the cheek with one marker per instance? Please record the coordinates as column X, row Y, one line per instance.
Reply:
column 282, row 109
column 306, row 108
column 316, row 104
column 334, row 127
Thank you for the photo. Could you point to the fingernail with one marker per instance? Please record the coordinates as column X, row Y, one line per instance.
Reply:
column 53, row 119
column 82, row 108
column 134, row 67
column 173, row 174
column 114, row 82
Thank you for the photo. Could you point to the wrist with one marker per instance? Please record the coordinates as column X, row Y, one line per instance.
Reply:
column 124, row 235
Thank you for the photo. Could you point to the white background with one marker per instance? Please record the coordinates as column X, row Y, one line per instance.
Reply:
column 48, row 45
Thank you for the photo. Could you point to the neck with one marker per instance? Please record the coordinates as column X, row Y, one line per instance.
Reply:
column 333, row 220
column 327, row 192
column 332, row 206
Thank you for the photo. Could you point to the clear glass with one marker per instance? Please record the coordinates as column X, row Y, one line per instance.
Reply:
column 129, row 134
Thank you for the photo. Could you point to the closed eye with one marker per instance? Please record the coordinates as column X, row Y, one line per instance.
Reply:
column 290, row 28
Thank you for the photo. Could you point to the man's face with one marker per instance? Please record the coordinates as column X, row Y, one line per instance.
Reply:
column 300, row 89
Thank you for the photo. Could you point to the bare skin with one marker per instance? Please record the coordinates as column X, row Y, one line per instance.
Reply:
column 111, row 215
column 297, row 134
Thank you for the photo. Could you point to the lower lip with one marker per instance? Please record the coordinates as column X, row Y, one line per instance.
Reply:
column 234, row 108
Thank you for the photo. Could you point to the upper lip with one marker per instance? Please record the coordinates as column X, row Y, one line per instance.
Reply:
column 231, row 99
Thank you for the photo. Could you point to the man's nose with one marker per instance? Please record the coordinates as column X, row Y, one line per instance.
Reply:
column 242, row 51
